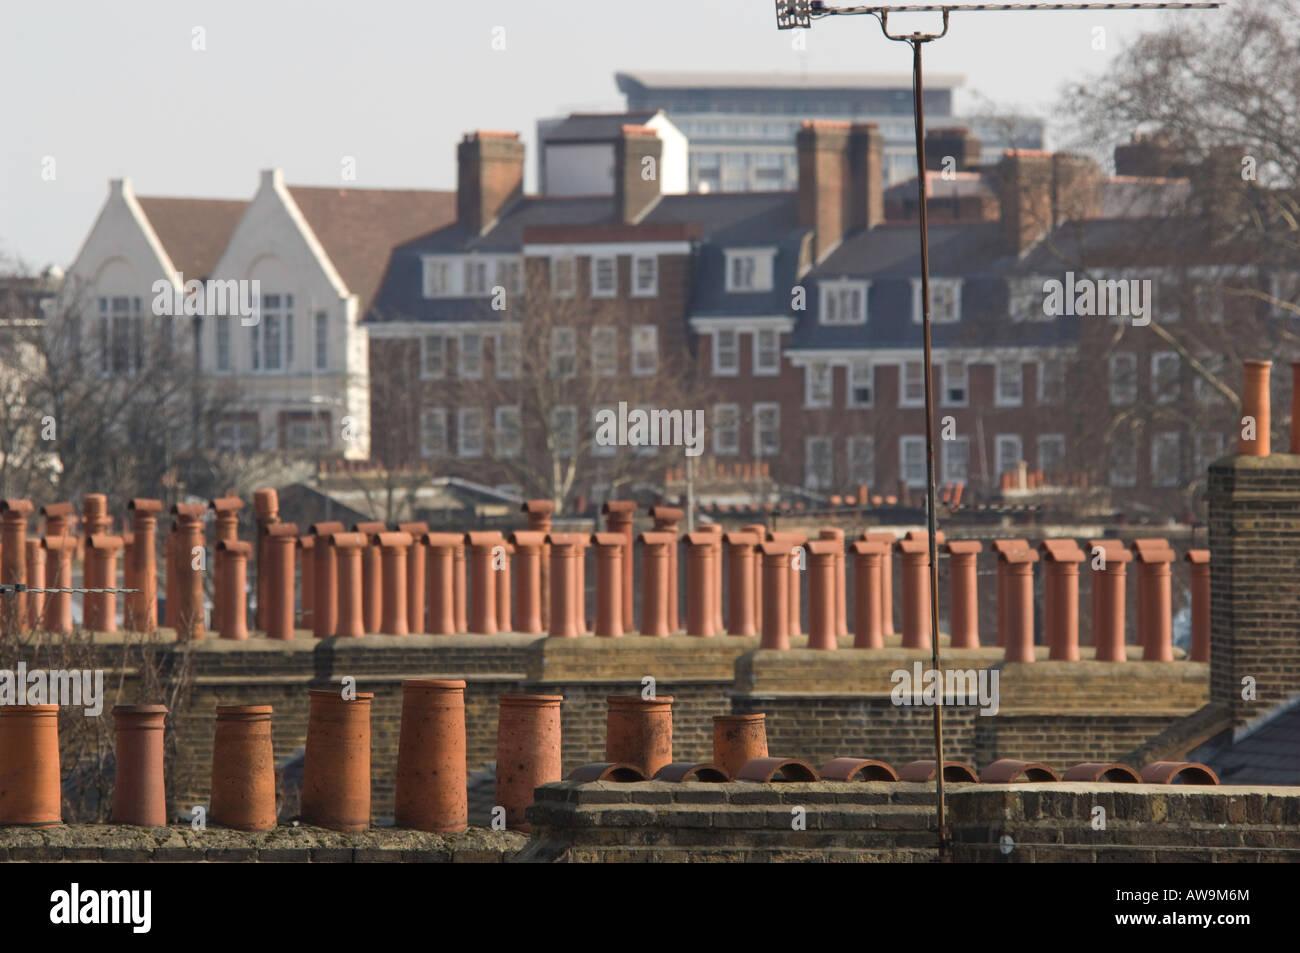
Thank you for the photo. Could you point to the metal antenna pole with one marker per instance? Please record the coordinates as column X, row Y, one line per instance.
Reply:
column 799, row 14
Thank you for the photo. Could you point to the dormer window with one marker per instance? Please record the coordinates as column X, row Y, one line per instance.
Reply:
column 749, row 269
column 844, row 302
column 476, row 277
column 945, row 300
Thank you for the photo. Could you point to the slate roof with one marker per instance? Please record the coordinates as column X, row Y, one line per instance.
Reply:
column 1268, row 755
column 194, row 232
column 597, row 127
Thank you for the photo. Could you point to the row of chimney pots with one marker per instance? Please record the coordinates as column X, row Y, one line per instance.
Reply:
column 431, row 779
column 371, row 580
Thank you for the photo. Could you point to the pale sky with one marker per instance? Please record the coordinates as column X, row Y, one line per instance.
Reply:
column 111, row 90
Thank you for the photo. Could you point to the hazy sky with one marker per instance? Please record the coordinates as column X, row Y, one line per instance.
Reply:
column 117, row 89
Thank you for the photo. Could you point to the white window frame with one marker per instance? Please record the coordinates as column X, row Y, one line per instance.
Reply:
column 1129, row 394
column 948, row 385
column 918, row 445
column 503, row 448
column 469, row 360
column 559, row 350
column 810, row 400
column 1131, row 442
column 645, row 340
column 731, row 368
column 813, row 480
column 1043, row 363
column 474, row 276
column 1176, row 389
column 952, row 316
column 440, row 275
column 433, row 418
column 1027, row 300
column 558, row 266
column 572, row 412
column 1047, row 439
column 604, row 342
column 852, row 384
column 762, row 273
column 761, row 369
column 834, row 289
column 597, row 291
column 651, row 288
column 948, row 460
column 506, row 355
column 510, row 274
column 440, row 349
column 760, row 409
column 998, row 378
column 857, row 477
column 726, row 433
column 919, row 399
column 464, row 448
column 1007, row 439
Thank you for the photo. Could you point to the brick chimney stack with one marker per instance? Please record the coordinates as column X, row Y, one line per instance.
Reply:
column 1151, row 156
column 956, row 142
column 1039, row 190
column 866, row 176
column 824, row 193
column 637, row 172
column 490, row 176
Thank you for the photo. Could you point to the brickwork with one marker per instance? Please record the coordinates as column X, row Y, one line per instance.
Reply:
column 1254, row 507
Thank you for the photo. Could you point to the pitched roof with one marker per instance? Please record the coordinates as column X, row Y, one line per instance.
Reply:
column 359, row 228
column 597, row 127
column 194, row 232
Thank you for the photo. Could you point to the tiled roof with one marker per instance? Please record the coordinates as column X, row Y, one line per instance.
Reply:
column 1268, row 755
column 194, row 232
column 360, row 227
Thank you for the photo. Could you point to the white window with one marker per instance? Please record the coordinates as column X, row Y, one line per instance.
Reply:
column 120, row 341
column 1009, row 452
column 818, row 464
column 439, row 278
column 507, row 356
column 767, row 430
column 749, row 270
column 945, row 300
column 510, row 275
column 222, row 328
column 1051, row 380
column 1123, row 378
column 911, row 461
column 476, row 276
column 767, row 352
column 604, row 351
column 276, row 338
column 843, row 302
column 322, row 330
column 1010, row 384
column 1208, row 296
column 726, row 353
column 956, row 384
column 645, row 276
column 433, row 356
column 1027, row 300
column 563, row 276
column 305, row 432
column 1164, row 376
column 469, row 432
column 564, row 430
column 235, row 436
column 817, row 384
column 645, row 350
column 604, row 276
column 1207, row 393
column 1051, row 453
column 433, row 432
column 564, row 351
column 861, row 459
column 1123, row 459
column 1209, row 447
column 911, row 384
column 470, row 348
column 726, row 429
column 861, row 383
column 507, row 431
column 1165, row 468
column 956, row 459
